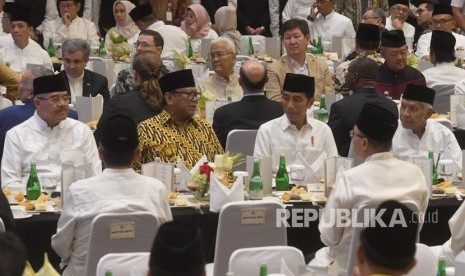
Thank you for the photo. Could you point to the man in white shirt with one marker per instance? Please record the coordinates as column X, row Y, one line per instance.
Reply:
column 224, row 83
column 442, row 21
column 297, row 9
column 70, row 25
column 399, row 10
column 327, row 23
column 174, row 37
column 458, row 9
column 381, row 177
column 456, row 244
column 294, row 132
column 49, row 138
column 417, row 135
column 22, row 50
column 119, row 189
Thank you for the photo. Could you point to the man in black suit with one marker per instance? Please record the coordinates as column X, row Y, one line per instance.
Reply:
column 253, row 109
column 361, row 79
column 80, row 81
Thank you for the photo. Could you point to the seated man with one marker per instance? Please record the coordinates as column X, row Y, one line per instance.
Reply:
column 374, row 16
column 296, row 37
column 388, row 250
column 253, row 110
column 394, row 75
column 295, row 132
column 417, row 135
column 80, row 81
column 224, row 83
column 117, row 189
column 381, row 177
column 22, row 50
column 176, row 134
column 398, row 14
column 177, row 251
column 70, row 25
column 16, row 114
column 49, row 138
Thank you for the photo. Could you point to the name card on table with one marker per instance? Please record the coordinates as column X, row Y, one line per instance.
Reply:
column 426, row 166
column 211, row 107
column 161, row 171
column 334, row 168
column 454, row 101
column 71, row 173
column 89, row 108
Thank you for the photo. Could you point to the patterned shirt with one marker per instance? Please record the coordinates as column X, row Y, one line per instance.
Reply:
column 161, row 137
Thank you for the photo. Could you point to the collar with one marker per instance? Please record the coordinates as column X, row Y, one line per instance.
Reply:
column 380, row 156
column 253, row 94
column 284, row 123
column 81, row 77
column 295, row 63
column 22, row 49
column 365, row 90
column 329, row 16
column 166, row 119
column 110, row 171
column 156, row 25
column 43, row 125
column 445, row 64
column 220, row 78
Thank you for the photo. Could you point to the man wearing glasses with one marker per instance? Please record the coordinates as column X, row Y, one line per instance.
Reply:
column 78, row 80
column 442, row 21
column 176, row 134
column 69, row 25
column 224, row 83
column 374, row 16
column 49, row 138
column 399, row 10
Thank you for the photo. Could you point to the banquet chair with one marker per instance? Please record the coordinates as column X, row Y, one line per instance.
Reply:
column 241, row 141
column 352, row 154
column 426, row 262
column 236, row 231
column 446, row 122
column 442, row 98
column 359, row 217
column 122, row 264
column 139, row 228
column 246, row 261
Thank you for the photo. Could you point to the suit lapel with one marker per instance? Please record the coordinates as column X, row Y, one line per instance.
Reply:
column 65, row 78
column 288, row 65
column 87, row 84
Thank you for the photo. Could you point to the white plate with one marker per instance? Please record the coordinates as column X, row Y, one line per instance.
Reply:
column 24, row 217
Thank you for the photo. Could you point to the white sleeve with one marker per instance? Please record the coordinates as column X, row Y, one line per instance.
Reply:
column 423, row 46
column 287, row 11
column 457, row 229
column 62, row 241
column 330, row 145
column 274, row 17
column 51, row 31
column 349, row 31
column 11, row 160
column 262, row 143
column 51, row 13
column 92, row 34
column 457, row 3
column 88, row 10
column 232, row 3
column 459, row 87
column 90, row 152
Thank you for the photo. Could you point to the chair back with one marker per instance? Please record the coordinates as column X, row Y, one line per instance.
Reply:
column 427, row 262
column 246, row 261
column 241, row 141
column 120, row 232
column 352, row 154
column 446, row 122
column 247, row 224
column 122, row 264
column 359, row 218
column 4, row 103
column 442, row 98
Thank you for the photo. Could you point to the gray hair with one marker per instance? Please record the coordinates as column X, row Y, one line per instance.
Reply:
column 231, row 46
column 74, row 45
column 38, row 71
column 379, row 12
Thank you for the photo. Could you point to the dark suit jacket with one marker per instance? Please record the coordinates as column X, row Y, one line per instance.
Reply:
column 344, row 114
column 92, row 85
column 248, row 113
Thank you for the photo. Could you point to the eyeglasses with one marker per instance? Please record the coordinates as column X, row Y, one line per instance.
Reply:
column 66, row 5
column 441, row 21
column 400, row 9
column 219, row 55
column 352, row 134
column 56, row 100
column 190, row 95
column 142, row 45
column 76, row 62
column 369, row 17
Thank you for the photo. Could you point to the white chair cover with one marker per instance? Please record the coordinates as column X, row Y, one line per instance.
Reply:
column 233, row 233
column 427, row 263
column 121, row 264
column 352, row 154
column 100, row 243
column 360, row 218
column 241, row 141
column 447, row 123
column 442, row 99
column 246, row 261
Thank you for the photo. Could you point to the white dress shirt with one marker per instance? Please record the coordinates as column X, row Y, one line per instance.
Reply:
column 436, row 137
column 409, row 30
column 32, row 140
column 381, row 177
column 19, row 58
column 79, row 28
column 443, row 73
column 75, row 86
column 51, row 13
column 223, row 89
column 332, row 25
column 196, row 42
column 279, row 135
column 425, row 40
column 303, row 70
column 174, row 38
column 452, row 247
column 113, row 191
column 460, row 87
column 299, row 9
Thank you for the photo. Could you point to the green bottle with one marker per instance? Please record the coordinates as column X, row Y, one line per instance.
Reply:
column 190, row 53
column 251, row 49
column 459, row 63
column 256, row 183
column 442, row 266
column 108, row 272
column 101, row 48
column 229, row 99
column 322, row 112
column 263, row 269
column 282, row 177
column 51, row 49
column 319, row 46
column 435, row 171
column 33, row 185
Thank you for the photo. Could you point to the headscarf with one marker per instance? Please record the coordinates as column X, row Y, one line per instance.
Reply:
column 203, row 21
column 226, row 23
column 129, row 28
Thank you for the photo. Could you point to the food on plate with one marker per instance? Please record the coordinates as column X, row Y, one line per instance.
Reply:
column 459, row 176
column 306, row 196
column 180, row 202
column 19, row 197
column 287, row 196
column 298, row 190
column 6, row 191
column 173, row 195
column 40, row 206
column 92, row 124
column 192, row 186
column 451, row 190
column 443, row 184
column 28, row 205
column 438, row 191
column 42, row 198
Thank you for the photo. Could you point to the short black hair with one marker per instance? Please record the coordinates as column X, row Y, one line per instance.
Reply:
column 295, row 23
column 368, row 45
column 442, row 56
column 13, row 255
column 157, row 38
column 253, row 85
column 117, row 159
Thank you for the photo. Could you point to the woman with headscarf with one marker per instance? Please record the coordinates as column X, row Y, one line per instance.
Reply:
column 124, row 24
column 197, row 25
column 226, row 24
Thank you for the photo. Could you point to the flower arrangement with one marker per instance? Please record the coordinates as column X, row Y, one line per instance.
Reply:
column 119, row 47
